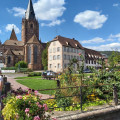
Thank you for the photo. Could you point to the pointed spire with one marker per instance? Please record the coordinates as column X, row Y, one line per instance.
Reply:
column 13, row 35
column 30, row 11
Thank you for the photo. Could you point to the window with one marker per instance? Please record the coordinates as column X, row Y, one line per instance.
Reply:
column 50, row 65
column 9, row 59
column 1, row 54
column 31, row 26
column 50, row 57
column 64, row 49
column 0, row 61
column 71, row 49
column 77, row 57
column 58, row 65
column 29, row 54
column 35, row 53
column 74, row 50
column 54, row 50
column 58, row 49
column 67, row 49
column 65, row 65
column 71, row 57
column 64, row 57
column 54, row 57
column 86, row 61
column 58, row 57
column 68, row 57
column 94, row 62
column 50, row 50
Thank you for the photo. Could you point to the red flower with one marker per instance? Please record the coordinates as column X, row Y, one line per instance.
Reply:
column 79, row 54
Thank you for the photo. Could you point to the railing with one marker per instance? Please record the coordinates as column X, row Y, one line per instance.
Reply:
column 81, row 94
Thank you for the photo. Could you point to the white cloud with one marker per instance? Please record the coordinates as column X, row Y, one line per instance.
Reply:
column 9, row 27
column 115, row 5
column 107, row 47
column 114, row 37
column 19, row 11
column 94, row 40
column 0, row 31
column 90, row 19
column 53, row 23
column 48, row 10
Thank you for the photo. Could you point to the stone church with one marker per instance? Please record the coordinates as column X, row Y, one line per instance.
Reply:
column 29, row 49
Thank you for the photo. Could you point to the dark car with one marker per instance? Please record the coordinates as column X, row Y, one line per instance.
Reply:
column 49, row 74
column 87, row 71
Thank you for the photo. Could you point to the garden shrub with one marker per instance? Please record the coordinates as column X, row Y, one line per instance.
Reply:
column 9, row 68
column 24, row 107
column 32, row 74
column 22, row 64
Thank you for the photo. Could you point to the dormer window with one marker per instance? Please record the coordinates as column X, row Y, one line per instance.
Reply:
column 67, row 43
column 76, row 45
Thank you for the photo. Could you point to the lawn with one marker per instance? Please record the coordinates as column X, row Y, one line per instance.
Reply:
column 38, row 83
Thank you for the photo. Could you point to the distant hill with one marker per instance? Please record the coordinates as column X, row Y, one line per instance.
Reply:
column 108, row 53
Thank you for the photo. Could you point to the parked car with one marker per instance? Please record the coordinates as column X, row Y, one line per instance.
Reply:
column 87, row 71
column 49, row 74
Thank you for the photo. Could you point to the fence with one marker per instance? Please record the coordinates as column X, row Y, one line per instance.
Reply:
column 82, row 92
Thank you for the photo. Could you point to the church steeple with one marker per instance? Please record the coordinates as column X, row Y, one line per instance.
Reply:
column 30, row 11
column 13, row 35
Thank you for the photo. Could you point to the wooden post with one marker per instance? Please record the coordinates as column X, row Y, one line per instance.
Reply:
column 115, row 95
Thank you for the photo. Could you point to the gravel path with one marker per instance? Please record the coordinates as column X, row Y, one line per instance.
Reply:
column 15, row 85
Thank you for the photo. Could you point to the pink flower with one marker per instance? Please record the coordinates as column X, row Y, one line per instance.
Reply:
column 19, row 97
column 45, row 106
column 37, row 103
column 29, row 91
column 27, row 110
column 79, row 54
column 36, row 92
column 40, row 106
column 37, row 118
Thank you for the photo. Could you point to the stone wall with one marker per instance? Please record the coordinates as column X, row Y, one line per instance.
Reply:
column 110, row 113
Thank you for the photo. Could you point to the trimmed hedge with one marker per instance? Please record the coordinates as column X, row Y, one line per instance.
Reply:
column 32, row 74
column 9, row 68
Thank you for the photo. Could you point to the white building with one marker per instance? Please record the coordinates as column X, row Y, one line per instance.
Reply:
column 61, row 50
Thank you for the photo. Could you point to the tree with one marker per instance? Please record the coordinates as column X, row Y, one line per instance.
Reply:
column 45, row 57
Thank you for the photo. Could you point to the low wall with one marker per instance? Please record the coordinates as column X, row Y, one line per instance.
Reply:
column 111, row 113
column 7, row 71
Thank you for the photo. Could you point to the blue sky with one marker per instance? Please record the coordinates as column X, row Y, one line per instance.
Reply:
column 94, row 23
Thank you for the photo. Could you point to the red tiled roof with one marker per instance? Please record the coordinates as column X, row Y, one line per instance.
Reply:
column 68, row 42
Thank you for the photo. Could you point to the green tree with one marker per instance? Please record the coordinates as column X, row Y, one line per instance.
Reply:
column 21, row 64
column 114, row 59
column 45, row 57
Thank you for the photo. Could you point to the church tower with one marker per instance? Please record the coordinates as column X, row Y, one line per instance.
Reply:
column 30, row 25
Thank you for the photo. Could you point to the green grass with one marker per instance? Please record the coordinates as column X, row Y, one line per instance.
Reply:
column 38, row 83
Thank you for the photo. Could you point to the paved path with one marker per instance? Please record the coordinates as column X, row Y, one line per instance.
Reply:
column 15, row 85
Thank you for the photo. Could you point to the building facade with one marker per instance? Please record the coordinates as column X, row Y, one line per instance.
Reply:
column 61, row 50
column 29, row 49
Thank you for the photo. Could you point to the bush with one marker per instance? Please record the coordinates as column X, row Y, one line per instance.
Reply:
column 25, row 70
column 25, row 107
column 34, row 74
column 22, row 64
column 9, row 68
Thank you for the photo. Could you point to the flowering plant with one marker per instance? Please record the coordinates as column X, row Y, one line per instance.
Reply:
column 25, row 107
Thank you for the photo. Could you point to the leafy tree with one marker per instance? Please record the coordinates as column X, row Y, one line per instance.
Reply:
column 45, row 57
column 114, row 59
column 21, row 64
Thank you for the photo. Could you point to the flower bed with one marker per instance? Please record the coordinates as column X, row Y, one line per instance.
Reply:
column 24, row 105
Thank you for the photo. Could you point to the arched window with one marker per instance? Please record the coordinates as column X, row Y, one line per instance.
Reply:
column 9, row 59
column 31, row 26
column 29, row 54
column 35, row 53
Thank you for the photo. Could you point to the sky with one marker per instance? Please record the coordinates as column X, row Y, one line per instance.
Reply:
column 94, row 23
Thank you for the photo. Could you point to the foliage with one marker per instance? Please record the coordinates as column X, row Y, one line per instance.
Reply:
column 45, row 57
column 9, row 68
column 32, row 74
column 25, row 70
column 21, row 64
column 25, row 107
column 114, row 59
